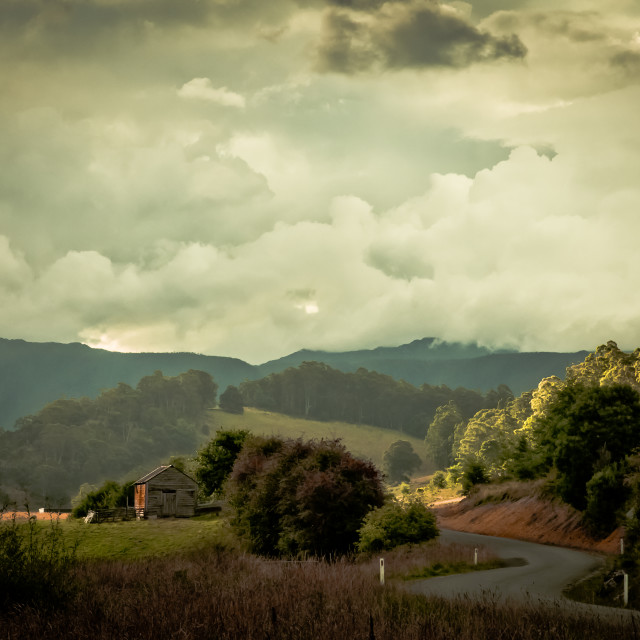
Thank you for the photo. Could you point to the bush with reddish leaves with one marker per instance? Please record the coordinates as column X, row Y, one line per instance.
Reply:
column 296, row 498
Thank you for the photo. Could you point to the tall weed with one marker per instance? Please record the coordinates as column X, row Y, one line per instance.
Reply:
column 35, row 563
column 229, row 596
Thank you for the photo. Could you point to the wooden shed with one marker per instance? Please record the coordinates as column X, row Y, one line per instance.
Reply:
column 166, row 492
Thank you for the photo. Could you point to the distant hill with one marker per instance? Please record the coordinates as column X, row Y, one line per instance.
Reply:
column 433, row 362
column 33, row 374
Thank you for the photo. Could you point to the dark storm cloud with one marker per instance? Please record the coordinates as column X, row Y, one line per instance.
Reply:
column 628, row 60
column 407, row 35
column 71, row 26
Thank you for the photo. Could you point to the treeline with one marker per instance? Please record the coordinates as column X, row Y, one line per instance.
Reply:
column 581, row 433
column 71, row 442
column 317, row 392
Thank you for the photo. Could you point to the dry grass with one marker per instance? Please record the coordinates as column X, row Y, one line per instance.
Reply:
column 521, row 510
column 226, row 596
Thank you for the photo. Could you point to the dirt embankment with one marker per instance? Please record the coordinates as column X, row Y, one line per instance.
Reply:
column 519, row 512
column 25, row 515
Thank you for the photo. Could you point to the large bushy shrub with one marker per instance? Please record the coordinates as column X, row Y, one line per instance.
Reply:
column 295, row 498
column 396, row 524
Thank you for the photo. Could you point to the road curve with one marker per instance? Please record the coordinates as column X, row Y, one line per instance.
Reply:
column 548, row 570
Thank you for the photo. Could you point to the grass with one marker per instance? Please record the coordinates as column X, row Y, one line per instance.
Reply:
column 168, row 579
column 361, row 440
column 134, row 540
column 436, row 558
column 231, row 596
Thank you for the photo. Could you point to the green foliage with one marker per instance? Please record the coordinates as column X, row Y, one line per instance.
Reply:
column 35, row 564
column 294, row 498
column 606, row 496
column 581, row 423
column 108, row 496
column 441, row 434
column 231, row 400
column 399, row 461
column 316, row 391
column 473, row 473
column 75, row 441
column 216, row 459
column 395, row 524
column 439, row 480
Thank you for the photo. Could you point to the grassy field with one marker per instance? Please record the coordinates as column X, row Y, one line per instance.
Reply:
column 133, row 539
column 231, row 596
column 361, row 440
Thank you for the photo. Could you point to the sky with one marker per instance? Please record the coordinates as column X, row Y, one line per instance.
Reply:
column 247, row 178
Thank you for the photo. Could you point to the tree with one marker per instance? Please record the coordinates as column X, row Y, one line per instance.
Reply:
column 606, row 496
column 440, row 436
column 395, row 524
column 231, row 400
column 579, row 426
column 108, row 496
column 216, row 459
column 399, row 460
column 473, row 473
column 295, row 498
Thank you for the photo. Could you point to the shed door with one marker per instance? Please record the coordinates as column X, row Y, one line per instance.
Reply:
column 169, row 503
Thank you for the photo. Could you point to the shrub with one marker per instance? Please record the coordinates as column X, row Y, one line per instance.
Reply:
column 439, row 480
column 473, row 473
column 108, row 496
column 396, row 524
column 295, row 498
column 35, row 564
column 606, row 495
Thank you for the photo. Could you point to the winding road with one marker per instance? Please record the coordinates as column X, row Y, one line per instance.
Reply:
column 545, row 572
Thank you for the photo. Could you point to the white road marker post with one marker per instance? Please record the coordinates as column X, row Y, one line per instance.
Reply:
column 381, row 570
column 626, row 589
column 475, row 556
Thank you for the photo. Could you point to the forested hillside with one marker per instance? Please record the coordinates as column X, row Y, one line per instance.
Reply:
column 125, row 430
column 316, row 391
column 33, row 374
column 581, row 433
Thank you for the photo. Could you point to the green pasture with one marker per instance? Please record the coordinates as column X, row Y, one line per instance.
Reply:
column 361, row 440
column 136, row 539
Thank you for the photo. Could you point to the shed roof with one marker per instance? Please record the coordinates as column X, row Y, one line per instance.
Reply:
column 158, row 471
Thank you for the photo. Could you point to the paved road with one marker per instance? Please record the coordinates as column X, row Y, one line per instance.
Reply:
column 548, row 570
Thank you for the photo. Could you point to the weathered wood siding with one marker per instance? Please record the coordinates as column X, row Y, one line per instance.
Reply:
column 171, row 493
column 139, row 495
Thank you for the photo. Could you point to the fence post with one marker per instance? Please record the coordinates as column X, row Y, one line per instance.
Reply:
column 475, row 556
column 626, row 589
column 381, row 570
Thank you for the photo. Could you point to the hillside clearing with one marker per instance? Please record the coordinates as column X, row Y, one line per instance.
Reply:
column 362, row 441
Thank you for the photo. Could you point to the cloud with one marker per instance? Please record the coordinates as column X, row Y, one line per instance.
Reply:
column 416, row 34
column 142, row 207
column 202, row 89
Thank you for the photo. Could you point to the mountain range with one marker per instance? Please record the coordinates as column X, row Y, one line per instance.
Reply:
column 33, row 374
